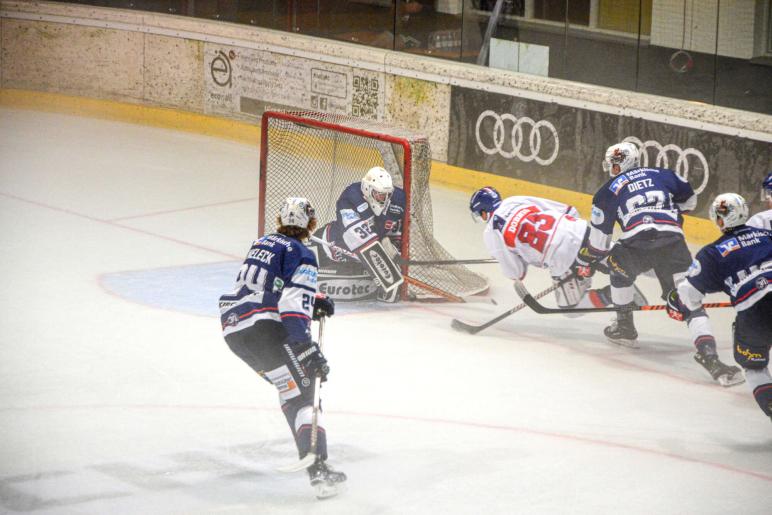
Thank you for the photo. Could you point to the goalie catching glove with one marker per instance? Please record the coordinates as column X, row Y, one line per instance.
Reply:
column 324, row 306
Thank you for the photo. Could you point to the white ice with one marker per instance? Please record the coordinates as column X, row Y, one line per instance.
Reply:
column 119, row 396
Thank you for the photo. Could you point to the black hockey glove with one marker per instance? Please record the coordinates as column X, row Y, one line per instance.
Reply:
column 584, row 264
column 311, row 359
column 323, row 306
column 675, row 308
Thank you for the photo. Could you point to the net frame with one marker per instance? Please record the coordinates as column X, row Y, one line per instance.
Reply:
column 400, row 151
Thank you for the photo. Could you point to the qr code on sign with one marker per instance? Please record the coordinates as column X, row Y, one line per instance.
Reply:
column 364, row 102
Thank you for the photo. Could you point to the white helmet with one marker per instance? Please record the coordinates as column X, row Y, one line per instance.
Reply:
column 377, row 189
column 621, row 157
column 731, row 208
column 296, row 211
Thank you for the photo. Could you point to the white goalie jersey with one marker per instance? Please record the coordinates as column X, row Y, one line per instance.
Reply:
column 534, row 231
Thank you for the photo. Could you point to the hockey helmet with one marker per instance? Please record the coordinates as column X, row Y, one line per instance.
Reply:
column 297, row 212
column 767, row 186
column 620, row 158
column 730, row 208
column 484, row 202
column 377, row 189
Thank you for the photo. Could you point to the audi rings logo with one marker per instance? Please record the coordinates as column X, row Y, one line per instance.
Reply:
column 685, row 161
column 521, row 138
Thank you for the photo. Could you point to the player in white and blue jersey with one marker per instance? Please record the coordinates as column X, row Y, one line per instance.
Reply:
column 648, row 205
column 266, row 321
column 739, row 263
column 763, row 220
column 368, row 211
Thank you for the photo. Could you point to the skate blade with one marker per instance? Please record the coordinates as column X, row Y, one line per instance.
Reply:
column 727, row 381
column 623, row 342
column 325, row 490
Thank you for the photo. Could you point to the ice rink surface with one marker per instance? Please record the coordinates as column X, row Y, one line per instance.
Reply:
column 119, row 396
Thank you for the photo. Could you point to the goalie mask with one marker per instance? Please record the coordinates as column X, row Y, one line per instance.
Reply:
column 731, row 209
column 483, row 203
column 296, row 212
column 620, row 158
column 377, row 189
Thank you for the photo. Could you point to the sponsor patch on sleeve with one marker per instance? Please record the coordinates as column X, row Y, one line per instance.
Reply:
column 694, row 269
column 597, row 216
column 348, row 216
column 362, row 207
column 305, row 275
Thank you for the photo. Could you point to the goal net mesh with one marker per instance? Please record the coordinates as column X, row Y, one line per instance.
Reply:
column 317, row 155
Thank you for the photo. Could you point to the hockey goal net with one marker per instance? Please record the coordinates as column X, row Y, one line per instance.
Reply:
column 317, row 155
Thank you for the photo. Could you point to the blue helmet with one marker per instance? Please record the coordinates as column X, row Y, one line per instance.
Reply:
column 485, row 200
column 767, row 185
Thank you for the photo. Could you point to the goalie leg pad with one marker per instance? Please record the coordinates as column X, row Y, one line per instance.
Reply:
column 571, row 290
column 381, row 266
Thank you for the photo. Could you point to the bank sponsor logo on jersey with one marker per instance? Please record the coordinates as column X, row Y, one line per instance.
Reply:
column 727, row 247
column 694, row 269
column 597, row 217
column 618, row 183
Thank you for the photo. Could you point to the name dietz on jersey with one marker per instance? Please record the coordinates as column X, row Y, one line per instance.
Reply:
column 639, row 185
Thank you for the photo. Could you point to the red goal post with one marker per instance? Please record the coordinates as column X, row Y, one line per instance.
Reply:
column 317, row 155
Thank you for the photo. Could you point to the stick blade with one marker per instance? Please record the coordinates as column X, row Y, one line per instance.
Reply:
column 458, row 325
column 303, row 464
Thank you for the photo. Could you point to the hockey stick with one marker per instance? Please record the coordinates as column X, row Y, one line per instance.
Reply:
column 310, row 458
column 407, row 278
column 531, row 302
column 474, row 329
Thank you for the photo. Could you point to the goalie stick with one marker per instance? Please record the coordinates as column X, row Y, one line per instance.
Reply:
column 531, row 302
column 310, row 458
column 407, row 278
column 474, row 329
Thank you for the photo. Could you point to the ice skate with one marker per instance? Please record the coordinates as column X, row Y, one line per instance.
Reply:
column 724, row 374
column 326, row 481
column 622, row 331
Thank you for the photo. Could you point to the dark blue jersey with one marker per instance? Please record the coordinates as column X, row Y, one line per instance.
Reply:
column 641, row 199
column 356, row 225
column 276, row 282
column 739, row 263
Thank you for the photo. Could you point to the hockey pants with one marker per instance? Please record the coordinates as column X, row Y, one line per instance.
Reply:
column 263, row 348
